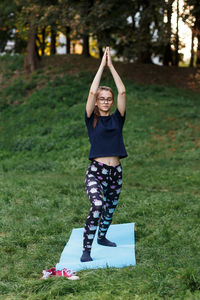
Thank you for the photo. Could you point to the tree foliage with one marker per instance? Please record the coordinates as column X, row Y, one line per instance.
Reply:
column 137, row 30
column 7, row 22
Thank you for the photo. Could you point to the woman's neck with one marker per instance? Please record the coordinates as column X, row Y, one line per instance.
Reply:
column 104, row 113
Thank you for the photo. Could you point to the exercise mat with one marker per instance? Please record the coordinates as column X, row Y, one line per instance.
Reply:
column 114, row 257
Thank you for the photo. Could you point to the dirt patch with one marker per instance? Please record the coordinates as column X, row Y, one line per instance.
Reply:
column 181, row 77
column 59, row 65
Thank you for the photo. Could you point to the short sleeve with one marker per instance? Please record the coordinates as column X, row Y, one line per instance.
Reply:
column 119, row 117
column 90, row 119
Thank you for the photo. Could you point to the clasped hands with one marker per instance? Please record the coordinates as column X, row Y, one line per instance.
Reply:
column 106, row 59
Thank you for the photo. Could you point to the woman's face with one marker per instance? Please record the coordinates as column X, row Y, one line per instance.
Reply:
column 104, row 100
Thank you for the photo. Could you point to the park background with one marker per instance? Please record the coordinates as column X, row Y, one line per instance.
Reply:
column 44, row 145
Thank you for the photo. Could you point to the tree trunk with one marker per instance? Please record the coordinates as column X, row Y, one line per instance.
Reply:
column 43, row 40
column 198, row 39
column 87, row 8
column 86, row 51
column 100, row 51
column 177, row 37
column 73, row 48
column 192, row 50
column 37, row 51
column 31, row 60
column 167, row 59
column 53, row 41
column 68, row 40
column 198, row 52
column 145, row 55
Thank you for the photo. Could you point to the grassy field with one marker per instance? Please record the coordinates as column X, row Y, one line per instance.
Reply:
column 43, row 159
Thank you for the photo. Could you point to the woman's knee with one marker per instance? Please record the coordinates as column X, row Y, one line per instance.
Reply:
column 97, row 205
column 92, row 185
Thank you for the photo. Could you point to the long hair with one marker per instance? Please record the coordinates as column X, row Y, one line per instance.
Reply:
column 96, row 109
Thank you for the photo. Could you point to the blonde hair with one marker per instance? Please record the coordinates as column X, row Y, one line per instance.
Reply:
column 96, row 109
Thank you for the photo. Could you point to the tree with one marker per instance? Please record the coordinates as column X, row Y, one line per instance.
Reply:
column 66, row 20
column 31, row 59
column 83, row 22
column 68, row 39
column 197, row 33
column 29, row 13
column 53, row 39
column 192, row 50
column 177, row 35
column 142, row 37
column 144, row 33
column 137, row 30
column 32, row 16
column 191, row 16
column 167, row 58
column 7, row 22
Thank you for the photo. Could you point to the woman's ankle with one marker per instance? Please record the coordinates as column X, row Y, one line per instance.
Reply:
column 86, row 256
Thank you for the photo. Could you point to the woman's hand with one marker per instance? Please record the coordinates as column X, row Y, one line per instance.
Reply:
column 104, row 58
column 109, row 60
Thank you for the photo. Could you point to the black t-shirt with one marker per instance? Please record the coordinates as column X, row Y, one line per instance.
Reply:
column 106, row 138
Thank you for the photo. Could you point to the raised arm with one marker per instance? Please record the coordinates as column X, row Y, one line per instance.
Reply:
column 121, row 98
column 94, row 87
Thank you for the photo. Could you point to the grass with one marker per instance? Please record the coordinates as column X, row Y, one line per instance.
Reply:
column 43, row 159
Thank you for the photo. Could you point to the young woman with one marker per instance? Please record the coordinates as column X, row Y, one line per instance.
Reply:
column 103, row 179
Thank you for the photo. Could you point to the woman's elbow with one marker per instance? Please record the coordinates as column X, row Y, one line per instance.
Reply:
column 93, row 93
column 122, row 92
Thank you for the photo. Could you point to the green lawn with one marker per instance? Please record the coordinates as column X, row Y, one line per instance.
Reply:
column 43, row 159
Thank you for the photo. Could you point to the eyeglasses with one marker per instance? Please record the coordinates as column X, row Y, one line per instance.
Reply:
column 104, row 100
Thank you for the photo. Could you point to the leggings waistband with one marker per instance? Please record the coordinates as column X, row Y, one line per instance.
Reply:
column 100, row 164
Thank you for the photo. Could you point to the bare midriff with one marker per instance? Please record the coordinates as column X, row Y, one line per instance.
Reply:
column 109, row 160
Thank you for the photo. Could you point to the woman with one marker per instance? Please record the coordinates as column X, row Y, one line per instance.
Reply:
column 103, row 179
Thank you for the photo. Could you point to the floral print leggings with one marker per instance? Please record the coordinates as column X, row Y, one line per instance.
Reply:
column 103, row 185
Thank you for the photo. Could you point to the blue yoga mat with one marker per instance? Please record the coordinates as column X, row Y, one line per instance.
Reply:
column 115, row 257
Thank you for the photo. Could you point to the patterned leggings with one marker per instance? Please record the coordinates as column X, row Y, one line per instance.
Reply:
column 103, row 186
